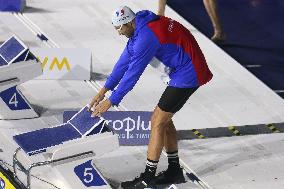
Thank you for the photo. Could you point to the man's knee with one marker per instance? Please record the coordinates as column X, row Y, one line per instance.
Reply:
column 160, row 118
column 158, row 123
column 170, row 127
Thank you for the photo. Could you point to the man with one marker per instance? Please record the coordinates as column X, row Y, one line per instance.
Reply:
column 167, row 40
column 211, row 8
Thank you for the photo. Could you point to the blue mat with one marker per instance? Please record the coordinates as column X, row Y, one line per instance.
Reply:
column 11, row 49
column 83, row 121
column 37, row 141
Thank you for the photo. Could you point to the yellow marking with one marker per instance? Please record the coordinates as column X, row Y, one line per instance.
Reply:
column 44, row 61
column 234, row 130
column 7, row 184
column 198, row 134
column 56, row 62
column 60, row 65
column 273, row 128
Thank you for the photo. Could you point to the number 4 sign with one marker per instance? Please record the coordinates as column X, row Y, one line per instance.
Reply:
column 89, row 175
column 14, row 100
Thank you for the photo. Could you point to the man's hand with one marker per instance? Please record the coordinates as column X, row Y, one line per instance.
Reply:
column 95, row 101
column 101, row 108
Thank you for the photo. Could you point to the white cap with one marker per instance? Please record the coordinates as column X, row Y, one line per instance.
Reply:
column 122, row 15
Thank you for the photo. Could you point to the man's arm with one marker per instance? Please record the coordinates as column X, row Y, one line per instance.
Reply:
column 162, row 7
column 145, row 49
column 118, row 71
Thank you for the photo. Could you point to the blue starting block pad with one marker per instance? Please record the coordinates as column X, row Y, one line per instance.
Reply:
column 37, row 141
column 13, row 50
column 84, row 123
column 12, row 5
column 80, row 125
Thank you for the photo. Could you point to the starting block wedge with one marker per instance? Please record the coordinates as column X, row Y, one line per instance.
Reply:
column 81, row 135
column 85, row 124
column 17, row 65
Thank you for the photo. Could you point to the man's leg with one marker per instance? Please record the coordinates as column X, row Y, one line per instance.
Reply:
column 159, row 122
column 170, row 102
column 211, row 8
column 174, row 173
column 170, row 138
column 171, row 147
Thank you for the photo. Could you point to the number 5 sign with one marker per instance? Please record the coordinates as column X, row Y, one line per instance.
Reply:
column 89, row 175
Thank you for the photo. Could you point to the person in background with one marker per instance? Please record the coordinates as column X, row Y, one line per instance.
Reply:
column 211, row 8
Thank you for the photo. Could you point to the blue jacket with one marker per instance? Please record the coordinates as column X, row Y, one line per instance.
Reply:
column 168, row 41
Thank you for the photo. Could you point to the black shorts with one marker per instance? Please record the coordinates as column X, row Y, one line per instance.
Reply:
column 173, row 99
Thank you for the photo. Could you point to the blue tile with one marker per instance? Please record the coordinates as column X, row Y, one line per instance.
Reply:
column 11, row 49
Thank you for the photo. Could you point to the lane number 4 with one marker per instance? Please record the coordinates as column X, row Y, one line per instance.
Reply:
column 13, row 100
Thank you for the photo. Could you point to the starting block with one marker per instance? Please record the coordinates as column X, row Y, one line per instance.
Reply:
column 17, row 65
column 12, row 5
column 82, row 135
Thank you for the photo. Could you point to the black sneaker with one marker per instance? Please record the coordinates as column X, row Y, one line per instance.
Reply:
column 139, row 183
column 170, row 176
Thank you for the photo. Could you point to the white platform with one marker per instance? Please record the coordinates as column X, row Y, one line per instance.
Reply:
column 234, row 97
